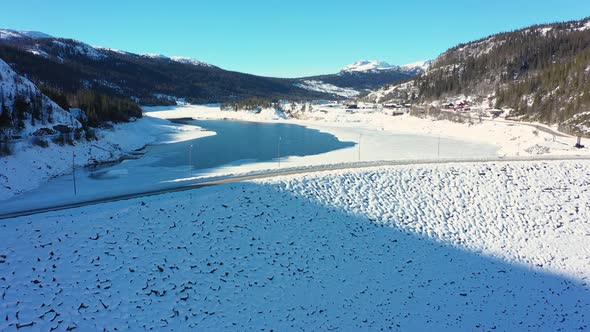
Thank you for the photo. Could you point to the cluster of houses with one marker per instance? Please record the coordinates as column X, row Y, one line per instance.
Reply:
column 459, row 106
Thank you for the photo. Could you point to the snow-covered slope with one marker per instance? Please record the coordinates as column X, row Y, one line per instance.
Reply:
column 14, row 86
column 395, row 93
column 190, row 61
column 328, row 88
column 72, row 48
column 419, row 66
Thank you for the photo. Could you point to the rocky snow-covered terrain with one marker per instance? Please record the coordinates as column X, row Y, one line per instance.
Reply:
column 477, row 247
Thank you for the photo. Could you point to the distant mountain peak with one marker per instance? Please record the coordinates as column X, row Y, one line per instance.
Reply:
column 368, row 66
column 19, row 34
column 375, row 66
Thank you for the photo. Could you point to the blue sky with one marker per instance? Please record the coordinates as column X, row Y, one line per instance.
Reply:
column 284, row 38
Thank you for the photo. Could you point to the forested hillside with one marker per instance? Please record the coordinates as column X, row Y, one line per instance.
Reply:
column 542, row 73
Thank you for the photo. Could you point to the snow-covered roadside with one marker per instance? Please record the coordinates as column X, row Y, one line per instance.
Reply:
column 496, row 246
column 29, row 165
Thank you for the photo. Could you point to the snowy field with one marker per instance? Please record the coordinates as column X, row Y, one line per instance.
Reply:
column 475, row 247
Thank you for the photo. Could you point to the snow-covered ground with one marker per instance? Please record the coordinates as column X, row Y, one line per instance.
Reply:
column 493, row 246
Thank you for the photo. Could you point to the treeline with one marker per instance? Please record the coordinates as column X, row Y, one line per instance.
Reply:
column 98, row 107
column 26, row 105
column 251, row 104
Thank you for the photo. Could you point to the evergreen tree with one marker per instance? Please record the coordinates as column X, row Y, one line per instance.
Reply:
column 5, row 117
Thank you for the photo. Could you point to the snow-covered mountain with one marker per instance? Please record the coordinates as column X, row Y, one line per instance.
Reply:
column 362, row 75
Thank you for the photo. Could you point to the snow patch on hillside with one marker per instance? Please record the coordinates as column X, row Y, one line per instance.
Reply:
column 421, row 65
column 323, row 87
column 585, row 27
column 111, row 50
column 179, row 59
column 154, row 56
column 77, row 48
column 38, row 52
column 190, row 61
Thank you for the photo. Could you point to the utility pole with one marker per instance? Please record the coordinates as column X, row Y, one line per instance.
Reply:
column 279, row 151
column 190, row 161
column 74, row 172
column 438, row 148
column 360, row 137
